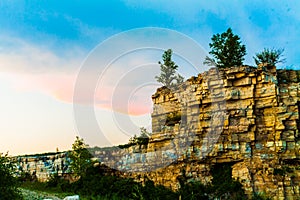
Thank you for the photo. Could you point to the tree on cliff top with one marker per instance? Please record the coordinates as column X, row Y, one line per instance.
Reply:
column 168, row 69
column 226, row 49
column 80, row 157
column 269, row 56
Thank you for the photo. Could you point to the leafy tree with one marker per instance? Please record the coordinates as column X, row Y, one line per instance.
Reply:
column 80, row 157
column 168, row 76
column 8, row 183
column 226, row 49
column 269, row 56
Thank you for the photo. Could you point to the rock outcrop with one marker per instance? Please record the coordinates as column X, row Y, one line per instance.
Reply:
column 244, row 117
column 42, row 166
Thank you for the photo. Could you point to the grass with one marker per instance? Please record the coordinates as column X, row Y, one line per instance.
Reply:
column 29, row 194
column 40, row 191
column 37, row 195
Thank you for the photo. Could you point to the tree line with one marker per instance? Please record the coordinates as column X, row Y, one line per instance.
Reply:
column 227, row 50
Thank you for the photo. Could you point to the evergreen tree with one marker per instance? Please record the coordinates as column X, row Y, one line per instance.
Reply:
column 226, row 49
column 168, row 76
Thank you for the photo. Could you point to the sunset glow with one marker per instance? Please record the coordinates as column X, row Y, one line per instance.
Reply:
column 45, row 44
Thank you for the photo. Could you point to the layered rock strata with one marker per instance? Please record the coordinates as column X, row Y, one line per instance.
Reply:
column 242, row 116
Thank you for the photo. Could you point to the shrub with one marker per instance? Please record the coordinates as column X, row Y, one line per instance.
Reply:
column 8, row 183
column 223, row 185
column 59, row 183
column 269, row 56
column 194, row 190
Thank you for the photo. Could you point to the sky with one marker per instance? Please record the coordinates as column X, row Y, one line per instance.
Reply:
column 87, row 68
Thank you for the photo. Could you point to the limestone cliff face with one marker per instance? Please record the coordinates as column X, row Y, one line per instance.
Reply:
column 43, row 166
column 245, row 116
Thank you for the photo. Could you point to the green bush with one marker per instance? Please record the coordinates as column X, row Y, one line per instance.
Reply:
column 223, row 185
column 194, row 190
column 58, row 183
column 150, row 191
column 8, row 183
column 96, row 185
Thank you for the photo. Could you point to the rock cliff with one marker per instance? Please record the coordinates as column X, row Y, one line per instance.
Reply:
column 42, row 166
column 243, row 117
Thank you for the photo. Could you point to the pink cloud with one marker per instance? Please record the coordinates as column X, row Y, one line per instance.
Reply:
column 57, row 85
column 29, row 67
column 61, row 85
column 124, row 100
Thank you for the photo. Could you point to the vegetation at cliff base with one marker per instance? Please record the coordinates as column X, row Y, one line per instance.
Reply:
column 8, row 183
column 80, row 157
column 224, row 186
column 98, row 181
column 98, row 185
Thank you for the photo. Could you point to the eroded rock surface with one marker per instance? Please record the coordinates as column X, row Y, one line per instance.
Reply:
column 244, row 116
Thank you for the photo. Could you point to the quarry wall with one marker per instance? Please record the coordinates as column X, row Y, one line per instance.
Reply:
column 242, row 116
column 245, row 116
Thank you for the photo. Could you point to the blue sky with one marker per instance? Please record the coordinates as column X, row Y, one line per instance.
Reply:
column 60, row 25
column 44, row 43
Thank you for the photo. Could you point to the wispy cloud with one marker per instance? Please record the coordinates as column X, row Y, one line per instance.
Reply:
column 125, row 85
column 88, row 32
column 20, row 56
column 127, row 62
column 28, row 67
